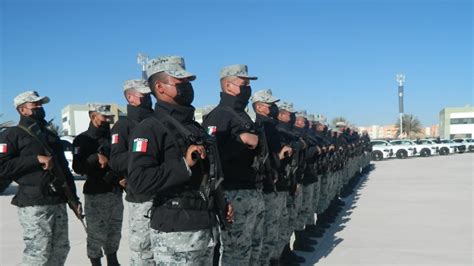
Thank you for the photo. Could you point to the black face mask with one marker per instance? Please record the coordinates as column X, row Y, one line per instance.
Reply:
column 292, row 119
column 245, row 93
column 273, row 111
column 38, row 113
column 104, row 128
column 184, row 93
column 145, row 102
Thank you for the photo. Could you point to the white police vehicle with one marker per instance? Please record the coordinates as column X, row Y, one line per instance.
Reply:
column 398, row 151
column 467, row 143
column 458, row 147
column 422, row 150
column 66, row 141
column 442, row 148
column 381, row 152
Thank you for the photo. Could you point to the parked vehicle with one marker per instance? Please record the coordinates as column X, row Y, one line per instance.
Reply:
column 381, row 152
column 442, row 148
column 468, row 144
column 422, row 150
column 398, row 151
column 458, row 147
column 68, row 150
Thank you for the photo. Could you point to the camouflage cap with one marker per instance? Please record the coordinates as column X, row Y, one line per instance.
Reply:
column 240, row 71
column 286, row 106
column 341, row 124
column 264, row 96
column 139, row 85
column 103, row 109
column 171, row 65
column 29, row 97
column 301, row 113
column 310, row 118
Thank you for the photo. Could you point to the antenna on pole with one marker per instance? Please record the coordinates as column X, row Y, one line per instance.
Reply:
column 142, row 59
column 401, row 81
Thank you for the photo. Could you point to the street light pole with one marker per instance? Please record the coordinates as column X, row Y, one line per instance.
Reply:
column 401, row 81
column 142, row 59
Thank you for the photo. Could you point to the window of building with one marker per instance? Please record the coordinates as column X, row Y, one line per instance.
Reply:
column 457, row 121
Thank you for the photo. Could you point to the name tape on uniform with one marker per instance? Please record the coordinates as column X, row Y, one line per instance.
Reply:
column 140, row 145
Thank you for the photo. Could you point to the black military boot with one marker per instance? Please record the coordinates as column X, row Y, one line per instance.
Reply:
column 313, row 230
column 301, row 243
column 288, row 257
column 95, row 261
column 112, row 259
column 275, row 262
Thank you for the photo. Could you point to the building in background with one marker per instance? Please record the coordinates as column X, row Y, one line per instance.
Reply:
column 456, row 122
column 75, row 118
column 390, row 131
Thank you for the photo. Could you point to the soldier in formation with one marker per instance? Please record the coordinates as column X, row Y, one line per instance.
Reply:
column 231, row 191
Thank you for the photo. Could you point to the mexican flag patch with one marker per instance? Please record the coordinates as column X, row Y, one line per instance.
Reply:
column 3, row 148
column 115, row 138
column 211, row 130
column 140, row 145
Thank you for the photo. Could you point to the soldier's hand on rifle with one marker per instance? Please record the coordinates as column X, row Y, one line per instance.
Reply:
column 230, row 213
column 103, row 160
column 79, row 209
column 123, row 182
column 46, row 162
column 251, row 140
column 286, row 151
column 199, row 149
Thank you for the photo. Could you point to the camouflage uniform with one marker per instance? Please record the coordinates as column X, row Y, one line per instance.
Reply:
column 139, row 232
column 274, row 205
column 45, row 232
column 174, row 248
column 283, row 235
column 316, row 198
column 293, row 205
column 324, row 190
column 306, row 208
column 242, row 242
column 104, row 214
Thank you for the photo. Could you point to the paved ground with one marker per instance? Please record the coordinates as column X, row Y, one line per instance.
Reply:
column 405, row 212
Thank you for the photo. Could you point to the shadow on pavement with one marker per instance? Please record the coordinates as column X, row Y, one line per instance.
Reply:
column 329, row 240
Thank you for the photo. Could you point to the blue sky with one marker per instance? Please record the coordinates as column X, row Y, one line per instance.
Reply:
column 337, row 58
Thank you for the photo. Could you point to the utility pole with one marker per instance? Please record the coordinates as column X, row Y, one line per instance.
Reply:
column 142, row 59
column 401, row 81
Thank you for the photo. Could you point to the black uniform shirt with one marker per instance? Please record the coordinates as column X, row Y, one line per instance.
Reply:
column 121, row 132
column 86, row 161
column 274, row 144
column 18, row 162
column 236, row 157
column 157, row 168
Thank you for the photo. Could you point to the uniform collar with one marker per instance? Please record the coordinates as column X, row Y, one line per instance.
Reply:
column 232, row 101
column 96, row 132
column 137, row 113
column 183, row 114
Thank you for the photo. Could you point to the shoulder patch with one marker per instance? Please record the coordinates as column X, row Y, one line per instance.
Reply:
column 115, row 138
column 211, row 130
column 3, row 148
column 140, row 145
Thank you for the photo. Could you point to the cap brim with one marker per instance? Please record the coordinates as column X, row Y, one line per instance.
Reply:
column 248, row 77
column 143, row 90
column 106, row 113
column 181, row 74
column 42, row 99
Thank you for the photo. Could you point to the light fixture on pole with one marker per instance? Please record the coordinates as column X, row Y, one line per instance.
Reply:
column 142, row 59
column 401, row 81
